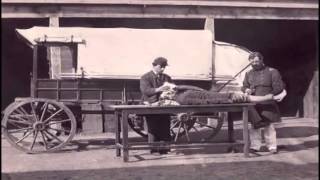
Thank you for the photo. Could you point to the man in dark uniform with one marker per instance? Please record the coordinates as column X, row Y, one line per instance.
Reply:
column 260, row 81
column 151, row 86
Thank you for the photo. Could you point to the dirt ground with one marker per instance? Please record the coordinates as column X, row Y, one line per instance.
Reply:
column 92, row 157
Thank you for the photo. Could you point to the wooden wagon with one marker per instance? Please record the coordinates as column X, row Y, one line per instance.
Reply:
column 103, row 66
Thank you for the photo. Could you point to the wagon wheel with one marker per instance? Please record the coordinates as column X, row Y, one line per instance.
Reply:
column 207, row 126
column 179, row 123
column 138, row 124
column 38, row 125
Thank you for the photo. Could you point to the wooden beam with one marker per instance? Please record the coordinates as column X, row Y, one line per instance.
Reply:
column 209, row 25
column 34, row 72
column 193, row 9
column 54, row 53
column 225, row 3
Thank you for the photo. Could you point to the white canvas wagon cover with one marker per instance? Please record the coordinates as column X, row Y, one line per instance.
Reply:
column 128, row 53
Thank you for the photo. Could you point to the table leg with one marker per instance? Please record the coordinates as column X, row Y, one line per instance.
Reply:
column 125, row 136
column 245, row 131
column 117, row 139
column 230, row 128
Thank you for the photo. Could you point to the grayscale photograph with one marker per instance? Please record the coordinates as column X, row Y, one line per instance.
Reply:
column 159, row 90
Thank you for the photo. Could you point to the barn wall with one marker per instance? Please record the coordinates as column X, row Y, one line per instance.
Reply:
column 16, row 60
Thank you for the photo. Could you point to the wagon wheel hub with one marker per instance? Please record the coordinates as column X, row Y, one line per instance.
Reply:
column 39, row 126
column 183, row 117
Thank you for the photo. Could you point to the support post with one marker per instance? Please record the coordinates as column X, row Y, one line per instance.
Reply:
column 124, row 129
column 34, row 75
column 209, row 25
column 245, row 131
column 117, row 139
column 54, row 56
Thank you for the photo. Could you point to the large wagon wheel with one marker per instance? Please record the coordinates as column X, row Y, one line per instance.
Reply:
column 206, row 126
column 179, row 125
column 196, row 127
column 38, row 125
column 193, row 127
column 138, row 124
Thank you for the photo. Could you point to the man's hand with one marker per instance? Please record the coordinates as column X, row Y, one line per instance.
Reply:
column 162, row 88
column 248, row 91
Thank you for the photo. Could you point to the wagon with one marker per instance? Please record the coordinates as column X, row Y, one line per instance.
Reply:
column 102, row 66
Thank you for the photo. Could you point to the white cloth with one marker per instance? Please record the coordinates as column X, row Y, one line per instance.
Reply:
column 270, row 136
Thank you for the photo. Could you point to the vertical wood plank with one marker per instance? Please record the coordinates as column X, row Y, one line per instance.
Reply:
column 209, row 25
column 245, row 131
column 54, row 52
column 125, row 139
column 92, row 123
column 230, row 128
column 34, row 71
column 117, row 138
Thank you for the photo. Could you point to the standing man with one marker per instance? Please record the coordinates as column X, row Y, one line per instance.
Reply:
column 151, row 86
column 259, row 81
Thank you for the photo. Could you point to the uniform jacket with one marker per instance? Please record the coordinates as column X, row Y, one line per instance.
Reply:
column 265, row 81
column 148, row 84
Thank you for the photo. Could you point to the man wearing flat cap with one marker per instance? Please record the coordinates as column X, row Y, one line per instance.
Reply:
column 151, row 86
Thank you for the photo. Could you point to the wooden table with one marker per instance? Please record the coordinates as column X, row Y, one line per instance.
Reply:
column 121, row 113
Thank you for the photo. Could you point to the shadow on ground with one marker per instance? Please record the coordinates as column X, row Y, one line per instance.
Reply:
column 253, row 170
column 283, row 132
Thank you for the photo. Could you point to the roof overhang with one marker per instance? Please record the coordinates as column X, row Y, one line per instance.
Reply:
column 231, row 9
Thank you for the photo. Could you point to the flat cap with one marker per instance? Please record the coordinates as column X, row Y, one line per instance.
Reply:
column 160, row 61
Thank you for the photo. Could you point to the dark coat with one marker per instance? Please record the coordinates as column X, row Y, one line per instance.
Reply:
column 158, row 125
column 148, row 84
column 262, row 82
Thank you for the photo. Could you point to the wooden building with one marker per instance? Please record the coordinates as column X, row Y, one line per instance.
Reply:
column 285, row 32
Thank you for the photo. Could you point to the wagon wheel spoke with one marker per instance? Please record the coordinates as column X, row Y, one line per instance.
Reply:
column 55, row 137
column 176, row 121
column 53, row 115
column 13, row 122
column 186, row 131
column 19, row 130
column 33, row 111
column 21, row 118
column 43, row 111
column 34, row 140
column 47, row 137
column 15, row 125
column 21, row 110
column 174, row 125
column 25, row 136
column 44, row 140
column 177, row 134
